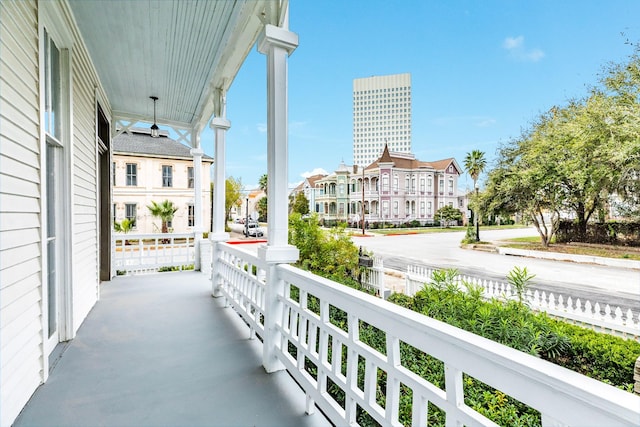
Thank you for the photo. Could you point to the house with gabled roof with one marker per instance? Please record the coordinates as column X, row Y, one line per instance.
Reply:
column 147, row 169
column 308, row 188
column 397, row 188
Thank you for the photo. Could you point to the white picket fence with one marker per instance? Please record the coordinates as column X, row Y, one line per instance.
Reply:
column 373, row 278
column 594, row 315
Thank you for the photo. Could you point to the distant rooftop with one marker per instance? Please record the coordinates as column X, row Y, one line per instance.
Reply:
column 138, row 141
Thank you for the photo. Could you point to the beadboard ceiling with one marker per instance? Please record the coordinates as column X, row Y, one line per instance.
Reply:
column 177, row 50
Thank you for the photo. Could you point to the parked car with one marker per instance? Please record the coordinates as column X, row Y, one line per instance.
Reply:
column 253, row 229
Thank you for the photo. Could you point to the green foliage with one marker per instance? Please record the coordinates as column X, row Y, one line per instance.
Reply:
column 164, row 210
column 175, row 268
column 575, row 157
column 124, row 226
column 470, row 235
column 232, row 195
column 448, row 214
column 331, row 252
column 261, row 207
column 520, row 279
column 300, row 204
column 263, row 183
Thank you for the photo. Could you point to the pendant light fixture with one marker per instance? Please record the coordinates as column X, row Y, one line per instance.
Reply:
column 155, row 130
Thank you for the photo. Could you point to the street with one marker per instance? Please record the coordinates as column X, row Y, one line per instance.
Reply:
column 595, row 283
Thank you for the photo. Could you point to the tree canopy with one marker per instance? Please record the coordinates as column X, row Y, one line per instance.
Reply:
column 300, row 204
column 232, row 195
column 573, row 158
column 448, row 214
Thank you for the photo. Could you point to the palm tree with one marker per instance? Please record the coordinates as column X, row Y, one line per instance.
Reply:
column 474, row 163
column 124, row 226
column 164, row 211
column 263, row 183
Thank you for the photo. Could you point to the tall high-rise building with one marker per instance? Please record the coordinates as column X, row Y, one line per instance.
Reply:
column 381, row 115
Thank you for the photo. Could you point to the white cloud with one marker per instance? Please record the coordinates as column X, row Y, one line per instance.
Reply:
column 316, row 171
column 516, row 48
column 513, row 42
column 262, row 127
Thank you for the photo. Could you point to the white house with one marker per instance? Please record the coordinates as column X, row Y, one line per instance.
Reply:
column 72, row 72
column 146, row 170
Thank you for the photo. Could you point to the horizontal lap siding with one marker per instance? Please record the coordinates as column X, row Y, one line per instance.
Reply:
column 20, row 259
column 85, row 173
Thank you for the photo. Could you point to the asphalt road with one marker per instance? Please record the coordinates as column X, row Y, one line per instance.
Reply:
column 595, row 283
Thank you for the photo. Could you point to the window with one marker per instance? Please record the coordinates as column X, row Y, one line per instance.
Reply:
column 422, row 185
column 450, row 185
column 53, row 96
column 167, row 176
column 385, row 182
column 132, row 174
column 429, row 184
column 395, row 208
column 429, row 208
column 191, row 215
column 190, row 178
column 441, row 186
column 130, row 212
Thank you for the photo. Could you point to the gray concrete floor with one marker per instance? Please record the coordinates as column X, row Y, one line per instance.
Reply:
column 158, row 350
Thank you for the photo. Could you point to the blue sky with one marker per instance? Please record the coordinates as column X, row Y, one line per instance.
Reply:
column 481, row 72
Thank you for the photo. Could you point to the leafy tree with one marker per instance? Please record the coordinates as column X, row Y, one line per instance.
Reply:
column 124, row 226
column 448, row 214
column 300, row 204
column 329, row 253
column 165, row 211
column 261, row 207
column 474, row 164
column 262, row 203
column 622, row 84
column 232, row 195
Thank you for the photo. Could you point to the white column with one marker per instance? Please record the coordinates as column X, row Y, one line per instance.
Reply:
column 220, row 126
column 197, row 153
column 276, row 43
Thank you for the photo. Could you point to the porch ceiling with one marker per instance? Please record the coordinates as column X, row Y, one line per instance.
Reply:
column 179, row 51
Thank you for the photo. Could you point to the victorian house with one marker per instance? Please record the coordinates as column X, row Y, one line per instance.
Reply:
column 397, row 188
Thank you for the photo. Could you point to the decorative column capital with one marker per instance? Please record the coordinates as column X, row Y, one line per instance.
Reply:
column 197, row 152
column 277, row 36
column 220, row 123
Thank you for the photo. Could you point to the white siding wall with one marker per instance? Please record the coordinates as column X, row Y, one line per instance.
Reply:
column 20, row 262
column 84, row 188
column 21, row 290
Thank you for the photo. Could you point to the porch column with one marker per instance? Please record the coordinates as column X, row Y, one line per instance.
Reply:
column 197, row 153
column 277, row 43
column 220, row 125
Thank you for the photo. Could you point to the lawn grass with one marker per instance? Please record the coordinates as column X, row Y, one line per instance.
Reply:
column 606, row 251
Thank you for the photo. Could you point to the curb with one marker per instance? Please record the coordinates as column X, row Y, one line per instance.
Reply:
column 585, row 259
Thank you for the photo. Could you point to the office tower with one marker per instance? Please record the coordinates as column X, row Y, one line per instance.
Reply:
column 381, row 115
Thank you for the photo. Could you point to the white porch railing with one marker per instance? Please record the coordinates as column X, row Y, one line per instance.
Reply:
column 144, row 253
column 323, row 356
column 594, row 315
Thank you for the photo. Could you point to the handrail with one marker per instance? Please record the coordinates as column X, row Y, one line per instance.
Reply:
column 302, row 337
column 143, row 253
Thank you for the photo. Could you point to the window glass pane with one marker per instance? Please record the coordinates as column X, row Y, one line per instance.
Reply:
column 190, row 178
column 52, row 88
column 167, row 176
column 132, row 174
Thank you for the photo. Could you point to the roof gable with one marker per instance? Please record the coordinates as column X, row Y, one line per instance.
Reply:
column 139, row 141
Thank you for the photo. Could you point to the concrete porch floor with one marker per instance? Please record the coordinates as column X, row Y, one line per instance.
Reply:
column 158, row 350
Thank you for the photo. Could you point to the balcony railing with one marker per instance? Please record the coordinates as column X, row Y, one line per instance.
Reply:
column 143, row 253
column 289, row 309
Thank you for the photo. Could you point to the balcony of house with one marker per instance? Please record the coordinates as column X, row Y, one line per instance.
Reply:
column 160, row 350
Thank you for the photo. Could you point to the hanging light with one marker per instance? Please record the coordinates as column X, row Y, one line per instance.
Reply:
column 155, row 130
